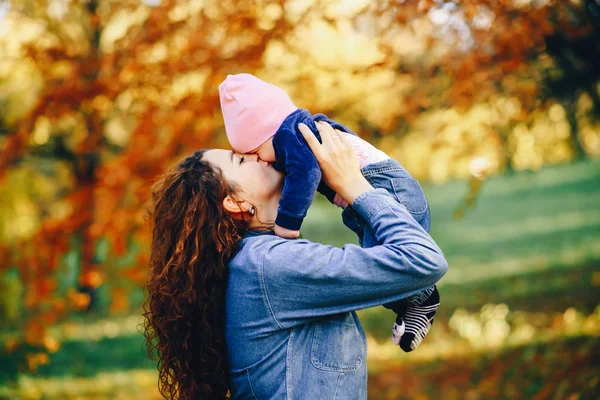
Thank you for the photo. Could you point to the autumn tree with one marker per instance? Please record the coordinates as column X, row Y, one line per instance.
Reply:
column 538, row 53
column 127, row 88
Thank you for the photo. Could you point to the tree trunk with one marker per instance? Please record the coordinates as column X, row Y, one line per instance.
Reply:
column 88, row 157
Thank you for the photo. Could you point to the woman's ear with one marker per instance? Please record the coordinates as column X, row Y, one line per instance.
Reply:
column 235, row 208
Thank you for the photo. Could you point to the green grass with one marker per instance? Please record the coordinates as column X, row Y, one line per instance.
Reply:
column 79, row 358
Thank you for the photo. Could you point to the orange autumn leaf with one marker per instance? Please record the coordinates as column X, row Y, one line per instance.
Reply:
column 34, row 333
column 92, row 278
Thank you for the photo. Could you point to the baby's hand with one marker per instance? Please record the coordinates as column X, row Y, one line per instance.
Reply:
column 286, row 233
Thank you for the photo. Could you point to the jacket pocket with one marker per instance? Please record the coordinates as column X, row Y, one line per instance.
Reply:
column 409, row 193
column 337, row 345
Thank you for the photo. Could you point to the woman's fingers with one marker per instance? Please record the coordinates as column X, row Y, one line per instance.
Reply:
column 340, row 139
column 336, row 142
column 311, row 139
column 340, row 134
column 338, row 161
column 325, row 130
column 333, row 137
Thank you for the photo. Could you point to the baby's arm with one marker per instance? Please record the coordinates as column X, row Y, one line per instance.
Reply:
column 302, row 176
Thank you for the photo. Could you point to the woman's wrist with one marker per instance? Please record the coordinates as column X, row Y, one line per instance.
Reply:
column 354, row 189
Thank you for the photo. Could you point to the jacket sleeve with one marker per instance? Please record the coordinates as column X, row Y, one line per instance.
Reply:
column 302, row 280
column 302, row 176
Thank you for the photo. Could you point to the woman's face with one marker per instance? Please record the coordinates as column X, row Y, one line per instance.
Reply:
column 260, row 183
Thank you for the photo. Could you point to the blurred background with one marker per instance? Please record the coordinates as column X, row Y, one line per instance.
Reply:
column 493, row 105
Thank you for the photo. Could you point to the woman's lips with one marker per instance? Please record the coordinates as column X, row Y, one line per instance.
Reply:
column 266, row 163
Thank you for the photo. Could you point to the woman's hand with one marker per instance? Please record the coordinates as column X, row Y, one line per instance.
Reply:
column 338, row 161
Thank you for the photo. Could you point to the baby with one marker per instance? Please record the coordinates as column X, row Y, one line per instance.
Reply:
column 261, row 118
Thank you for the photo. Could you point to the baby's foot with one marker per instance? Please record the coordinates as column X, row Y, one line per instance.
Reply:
column 418, row 320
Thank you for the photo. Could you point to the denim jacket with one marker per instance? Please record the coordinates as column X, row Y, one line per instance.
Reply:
column 291, row 328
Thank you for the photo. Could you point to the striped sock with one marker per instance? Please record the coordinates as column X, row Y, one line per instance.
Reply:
column 418, row 320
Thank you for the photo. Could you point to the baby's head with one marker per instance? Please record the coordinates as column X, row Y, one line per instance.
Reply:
column 253, row 110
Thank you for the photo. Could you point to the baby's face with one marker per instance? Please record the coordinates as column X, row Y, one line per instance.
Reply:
column 265, row 151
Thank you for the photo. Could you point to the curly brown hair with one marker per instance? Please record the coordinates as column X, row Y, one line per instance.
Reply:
column 193, row 239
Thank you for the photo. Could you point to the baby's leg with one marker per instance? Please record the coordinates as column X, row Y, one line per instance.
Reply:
column 406, row 190
column 381, row 171
column 391, row 176
column 415, row 314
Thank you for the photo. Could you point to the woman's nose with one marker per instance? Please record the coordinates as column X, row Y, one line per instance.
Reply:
column 253, row 157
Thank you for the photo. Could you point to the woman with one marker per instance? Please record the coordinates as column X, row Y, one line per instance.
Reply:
column 233, row 307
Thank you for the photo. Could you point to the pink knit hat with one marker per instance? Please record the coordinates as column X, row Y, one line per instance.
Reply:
column 253, row 110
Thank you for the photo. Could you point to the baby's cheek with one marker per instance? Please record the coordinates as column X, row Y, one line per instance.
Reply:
column 266, row 156
column 266, row 151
